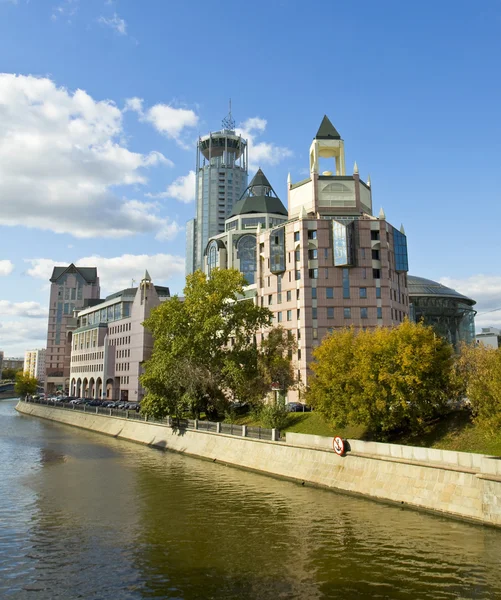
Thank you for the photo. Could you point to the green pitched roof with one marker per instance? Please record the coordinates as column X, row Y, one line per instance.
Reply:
column 260, row 179
column 88, row 273
column 327, row 131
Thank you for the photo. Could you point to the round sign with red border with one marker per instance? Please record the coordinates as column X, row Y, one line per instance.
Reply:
column 338, row 445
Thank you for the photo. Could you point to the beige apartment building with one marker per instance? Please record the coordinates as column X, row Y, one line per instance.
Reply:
column 324, row 263
column 34, row 364
column 109, row 344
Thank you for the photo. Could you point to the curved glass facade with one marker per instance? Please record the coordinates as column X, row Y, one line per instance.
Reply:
column 212, row 257
column 246, row 253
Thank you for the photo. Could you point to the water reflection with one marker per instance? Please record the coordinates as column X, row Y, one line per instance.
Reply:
column 87, row 516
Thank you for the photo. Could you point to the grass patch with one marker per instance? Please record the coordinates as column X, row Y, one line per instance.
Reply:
column 455, row 431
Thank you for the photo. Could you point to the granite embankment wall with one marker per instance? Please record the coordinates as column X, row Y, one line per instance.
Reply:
column 455, row 483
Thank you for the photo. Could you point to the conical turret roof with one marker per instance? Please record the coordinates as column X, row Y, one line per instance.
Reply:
column 327, row 131
column 259, row 197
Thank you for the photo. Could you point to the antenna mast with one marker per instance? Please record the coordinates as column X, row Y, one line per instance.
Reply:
column 228, row 122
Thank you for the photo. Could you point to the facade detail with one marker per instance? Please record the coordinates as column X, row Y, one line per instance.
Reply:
column 324, row 264
column 34, row 364
column 221, row 177
column 71, row 289
column 450, row 313
column 110, row 344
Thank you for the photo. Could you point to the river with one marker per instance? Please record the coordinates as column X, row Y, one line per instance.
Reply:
column 86, row 516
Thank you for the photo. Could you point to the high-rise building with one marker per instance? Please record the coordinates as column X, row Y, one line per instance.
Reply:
column 34, row 364
column 71, row 289
column 327, row 264
column 110, row 344
column 221, row 178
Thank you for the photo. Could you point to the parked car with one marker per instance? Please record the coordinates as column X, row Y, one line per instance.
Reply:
column 298, row 407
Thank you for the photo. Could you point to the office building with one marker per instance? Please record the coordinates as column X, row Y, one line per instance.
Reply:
column 327, row 262
column 13, row 363
column 71, row 289
column 221, row 178
column 110, row 344
column 34, row 364
column 450, row 313
column 490, row 337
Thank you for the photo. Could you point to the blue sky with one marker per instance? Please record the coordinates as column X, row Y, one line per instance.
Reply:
column 98, row 129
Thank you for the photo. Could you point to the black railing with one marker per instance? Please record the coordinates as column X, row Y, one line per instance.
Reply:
column 257, row 433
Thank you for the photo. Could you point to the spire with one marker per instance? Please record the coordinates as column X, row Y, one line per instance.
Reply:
column 146, row 276
column 229, row 122
column 289, row 179
column 381, row 215
column 260, row 186
column 402, row 230
column 327, row 131
column 355, row 168
column 303, row 214
column 368, row 181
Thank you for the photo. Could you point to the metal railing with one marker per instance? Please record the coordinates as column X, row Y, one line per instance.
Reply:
column 256, row 433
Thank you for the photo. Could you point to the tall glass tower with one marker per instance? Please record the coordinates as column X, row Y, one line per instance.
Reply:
column 221, row 179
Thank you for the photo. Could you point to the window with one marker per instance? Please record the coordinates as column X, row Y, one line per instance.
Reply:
column 364, row 273
column 314, row 313
column 297, row 294
column 298, row 334
column 289, row 315
column 362, row 253
column 299, row 354
column 363, row 292
column 298, row 313
column 347, row 313
column 312, row 234
column 376, row 273
column 330, row 312
column 279, row 317
column 297, row 255
column 313, row 254
column 346, row 283
column 296, row 236
column 298, row 275
column 315, row 334
column 374, row 235
column 378, row 292
column 379, row 312
column 364, row 313
column 326, row 253
column 375, row 254
column 289, row 296
column 329, row 293
column 314, row 293
column 270, row 299
column 313, row 273
column 326, row 273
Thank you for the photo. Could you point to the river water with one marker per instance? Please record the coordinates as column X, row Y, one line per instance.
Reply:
column 86, row 516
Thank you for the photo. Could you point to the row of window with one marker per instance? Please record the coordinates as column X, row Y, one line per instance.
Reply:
column 120, row 328
column 123, row 353
column 87, row 357
column 347, row 313
column 124, row 379
column 88, row 368
column 122, row 367
column 120, row 341
column 314, row 274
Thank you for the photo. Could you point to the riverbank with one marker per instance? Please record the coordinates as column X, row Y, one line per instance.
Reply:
column 458, row 484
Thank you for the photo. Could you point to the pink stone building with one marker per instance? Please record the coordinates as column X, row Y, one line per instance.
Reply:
column 110, row 344
column 71, row 289
column 325, row 263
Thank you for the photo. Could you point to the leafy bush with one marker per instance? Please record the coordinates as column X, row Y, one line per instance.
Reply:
column 274, row 415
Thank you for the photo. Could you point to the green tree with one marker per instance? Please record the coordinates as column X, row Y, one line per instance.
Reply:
column 386, row 379
column 25, row 384
column 480, row 369
column 204, row 350
column 10, row 374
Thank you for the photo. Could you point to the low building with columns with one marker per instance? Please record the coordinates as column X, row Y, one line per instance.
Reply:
column 110, row 344
column 327, row 262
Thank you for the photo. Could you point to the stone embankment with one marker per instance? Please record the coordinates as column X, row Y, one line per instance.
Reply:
column 458, row 484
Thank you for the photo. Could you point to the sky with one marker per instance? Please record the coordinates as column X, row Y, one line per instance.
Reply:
column 102, row 101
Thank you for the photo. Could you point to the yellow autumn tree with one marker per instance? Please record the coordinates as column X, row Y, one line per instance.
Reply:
column 480, row 369
column 386, row 379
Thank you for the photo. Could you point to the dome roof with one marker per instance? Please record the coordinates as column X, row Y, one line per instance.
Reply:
column 419, row 286
column 259, row 197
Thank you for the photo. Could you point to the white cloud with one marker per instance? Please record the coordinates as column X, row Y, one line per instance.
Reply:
column 261, row 153
column 22, row 309
column 486, row 290
column 115, row 23
column 67, row 9
column 118, row 272
column 6, row 267
column 182, row 189
column 61, row 157
column 18, row 336
column 166, row 119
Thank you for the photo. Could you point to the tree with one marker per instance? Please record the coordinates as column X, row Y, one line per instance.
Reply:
column 204, row 350
column 386, row 379
column 9, row 374
column 25, row 384
column 480, row 370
